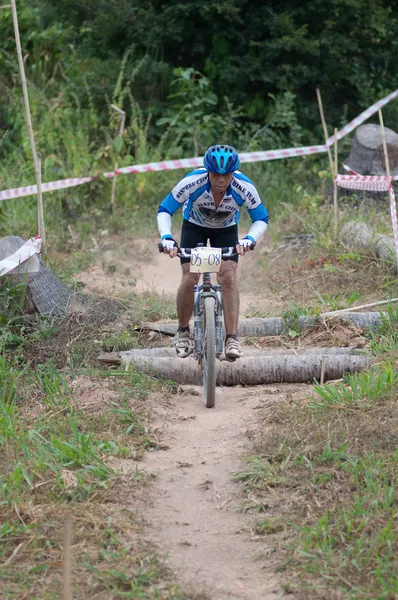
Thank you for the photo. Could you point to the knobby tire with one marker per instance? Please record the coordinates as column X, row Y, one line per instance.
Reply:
column 209, row 353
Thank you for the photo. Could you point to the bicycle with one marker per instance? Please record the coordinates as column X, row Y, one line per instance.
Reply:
column 208, row 335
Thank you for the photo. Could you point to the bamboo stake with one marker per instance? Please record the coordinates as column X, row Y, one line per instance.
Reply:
column 40, row 202
column 354, row 308
column 121, row 129
column 383, row 135
column 335, row 205
column 67, row 562
column 29, row 122
column 325, row 129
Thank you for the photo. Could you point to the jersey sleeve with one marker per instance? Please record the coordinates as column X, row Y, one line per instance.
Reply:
column 174, row 199
column 181, row 192
column 251, row 198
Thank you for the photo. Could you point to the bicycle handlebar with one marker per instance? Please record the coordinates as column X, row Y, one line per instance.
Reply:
column 226, row 252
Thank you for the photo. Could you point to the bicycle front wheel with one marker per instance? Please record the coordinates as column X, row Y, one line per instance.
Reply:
column 209, row 353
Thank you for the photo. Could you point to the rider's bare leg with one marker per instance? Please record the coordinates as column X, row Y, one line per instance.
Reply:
column 185, row 295
column 230, row 295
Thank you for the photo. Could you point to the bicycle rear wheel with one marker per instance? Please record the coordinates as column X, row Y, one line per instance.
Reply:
column 209, row 353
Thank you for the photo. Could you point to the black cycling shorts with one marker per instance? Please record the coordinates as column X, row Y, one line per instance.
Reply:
column 192, row 235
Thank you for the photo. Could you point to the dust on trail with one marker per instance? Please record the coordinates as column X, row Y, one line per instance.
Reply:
column 192, row 507
column 137, row 267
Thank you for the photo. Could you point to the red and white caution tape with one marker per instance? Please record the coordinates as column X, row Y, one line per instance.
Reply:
column 362, row 117
column 376, row 183
column 245, row 157
column 349, row 170
column 30, row 190
column 31, row 247
column 166, row 165
column 393, row 210
column 187, row 163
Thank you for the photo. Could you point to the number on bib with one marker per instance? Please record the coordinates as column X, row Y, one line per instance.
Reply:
column 205, row 260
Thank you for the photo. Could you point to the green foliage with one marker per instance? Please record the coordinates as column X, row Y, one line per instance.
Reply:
column 291, row 319
column 248, row 79
column 361, row 388
column 342, row 545
column 192, row 119
column 341, row 300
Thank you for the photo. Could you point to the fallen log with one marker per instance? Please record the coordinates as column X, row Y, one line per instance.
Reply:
column 257, row 327
column 255, row 370
column 116, row 358
column 362, row 237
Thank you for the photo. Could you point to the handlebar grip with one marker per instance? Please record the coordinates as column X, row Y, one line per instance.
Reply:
column 160, row 246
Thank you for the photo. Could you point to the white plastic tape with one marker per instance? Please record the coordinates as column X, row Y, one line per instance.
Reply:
column 376, row 183
column 362, row 117
column 245, row 157
column 187, row 163
column 31, row 247
column 30, row 190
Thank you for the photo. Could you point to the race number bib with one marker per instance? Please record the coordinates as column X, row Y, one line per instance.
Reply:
column 205, row 260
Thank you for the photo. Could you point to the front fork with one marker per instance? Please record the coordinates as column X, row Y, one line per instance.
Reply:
column 197, row 319
column 197, row 325
column 217, row 289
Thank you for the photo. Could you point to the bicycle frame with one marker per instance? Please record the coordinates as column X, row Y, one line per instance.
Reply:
column 200, row 293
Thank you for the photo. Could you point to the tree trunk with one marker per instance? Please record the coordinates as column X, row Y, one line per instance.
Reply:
column 255, row 370
column 367, row 157
column 276, row 325
column 115, row 358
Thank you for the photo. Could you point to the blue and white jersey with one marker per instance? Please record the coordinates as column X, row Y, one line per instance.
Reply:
column 193, row 193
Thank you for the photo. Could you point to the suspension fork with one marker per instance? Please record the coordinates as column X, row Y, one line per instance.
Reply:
column 207, row 289
column 197, row 326
column 217, row 289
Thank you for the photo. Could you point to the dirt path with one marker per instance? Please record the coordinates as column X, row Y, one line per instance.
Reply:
column 193, row 505
column 194, row 513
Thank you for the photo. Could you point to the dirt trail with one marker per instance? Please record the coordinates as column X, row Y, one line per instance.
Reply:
column 193, row 503
column 195, row 514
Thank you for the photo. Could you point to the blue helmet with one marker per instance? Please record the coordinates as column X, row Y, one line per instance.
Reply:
column 221, row 159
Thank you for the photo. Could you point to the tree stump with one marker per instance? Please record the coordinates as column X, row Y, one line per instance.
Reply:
column 367, row 156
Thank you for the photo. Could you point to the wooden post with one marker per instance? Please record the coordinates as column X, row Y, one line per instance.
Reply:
column 42, row 232
column 383, row 135
column 325, row 129
column 121, row 129
column 335, row 189
column 29, row 122
column 67, row 562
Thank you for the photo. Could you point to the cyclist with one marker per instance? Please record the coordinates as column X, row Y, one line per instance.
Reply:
column 211, row 198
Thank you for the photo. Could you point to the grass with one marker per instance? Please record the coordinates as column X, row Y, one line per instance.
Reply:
column 57, row 457
column 326, row 470
column 109, row 558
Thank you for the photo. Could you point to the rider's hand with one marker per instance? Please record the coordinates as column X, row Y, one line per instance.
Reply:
column 170, row 246
column 245, row 245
